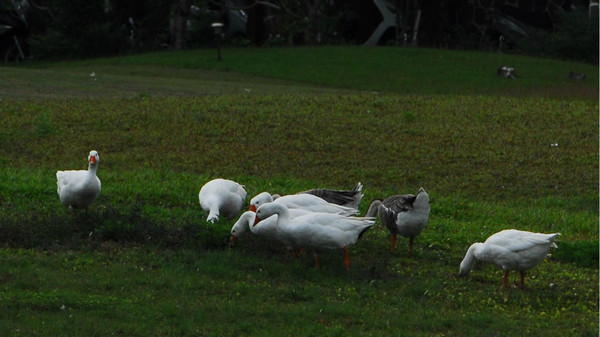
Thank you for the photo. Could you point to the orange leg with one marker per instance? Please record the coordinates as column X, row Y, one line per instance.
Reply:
column 411, row 243
column 297, row 252
column 317, row 261
column 393, row 242
column 346, row 258
column 522, row 279
column 505, row 279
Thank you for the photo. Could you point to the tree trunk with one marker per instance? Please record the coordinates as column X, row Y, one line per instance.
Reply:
column 311, row 32
column 179, row 28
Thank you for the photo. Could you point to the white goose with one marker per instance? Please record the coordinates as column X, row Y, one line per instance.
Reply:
column 79, row 188
column 246, row 222
column 510, row 249
column 349, row 198
column 308, row 202
column 406, row 215
column 316, row 231
column 221, row 196
column 266, row 229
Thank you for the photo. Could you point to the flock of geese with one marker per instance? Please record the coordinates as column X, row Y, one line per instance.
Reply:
column 323, row 220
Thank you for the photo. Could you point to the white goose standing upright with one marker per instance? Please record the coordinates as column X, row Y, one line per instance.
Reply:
column 510, row 249
column 406, row 215
column 221, row 197
column 316, row 231
column 79, row 188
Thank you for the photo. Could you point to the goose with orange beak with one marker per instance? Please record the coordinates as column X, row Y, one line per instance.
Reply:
column 80, row 188
column 248, row 221
column 510, row 249
column 307, row 202
column 316, row 231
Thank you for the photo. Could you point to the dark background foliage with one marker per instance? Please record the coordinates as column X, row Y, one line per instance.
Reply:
column 68, row 29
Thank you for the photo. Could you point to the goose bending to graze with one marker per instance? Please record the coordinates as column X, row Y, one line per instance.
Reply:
column 349, row 198
column 316, row 231
column 406, row 215
column 221, row 197
column 266, row 229
column 510, row 249
column 245, row 223
column 79, row 188
column 307, row 202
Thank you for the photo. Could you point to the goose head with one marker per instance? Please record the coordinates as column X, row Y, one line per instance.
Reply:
column 93, row 158
column 241, row 226
column 259, row 200
column 268, row 210
column 422, row 199
column 469, row 260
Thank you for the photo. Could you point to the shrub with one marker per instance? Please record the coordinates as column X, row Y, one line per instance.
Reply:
column 82, row 28
column 575, row 37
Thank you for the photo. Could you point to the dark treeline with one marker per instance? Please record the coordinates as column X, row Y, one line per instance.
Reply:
column 67, row 29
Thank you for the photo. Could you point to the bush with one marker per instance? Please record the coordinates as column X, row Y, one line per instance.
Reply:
column 91, row 28
column 575, row 37
column 151, row 21
column 82, row 28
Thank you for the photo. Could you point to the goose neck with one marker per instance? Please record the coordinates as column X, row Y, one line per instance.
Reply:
column 373, row 207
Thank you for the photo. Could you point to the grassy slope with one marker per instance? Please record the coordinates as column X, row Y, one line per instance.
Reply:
column 396, row 70
column 486, row 161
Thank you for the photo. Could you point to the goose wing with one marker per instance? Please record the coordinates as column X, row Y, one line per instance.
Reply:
column 350, row 198
column 400, row 203
column 517, row 241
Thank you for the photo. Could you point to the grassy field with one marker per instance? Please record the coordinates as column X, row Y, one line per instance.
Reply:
column 304, row 70
column 492, row 153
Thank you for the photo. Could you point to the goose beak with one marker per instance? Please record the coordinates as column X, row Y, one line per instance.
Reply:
column 233, row 240
column 93, row 159
column 253, row 208
column 256, row 221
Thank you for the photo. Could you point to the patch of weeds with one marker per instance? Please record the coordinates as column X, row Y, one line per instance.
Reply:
column 409, row 116
column 581, row 253
column 296, row 295
column 116, row 230
column 44, row 125
column 379, row 102
column 213, row 237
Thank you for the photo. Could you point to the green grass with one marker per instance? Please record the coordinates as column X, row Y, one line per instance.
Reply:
column 142, row 261
column 386, row 141
column 236, row 292
column 305, row 70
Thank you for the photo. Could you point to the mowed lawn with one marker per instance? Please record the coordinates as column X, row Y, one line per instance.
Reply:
column 492, row 153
